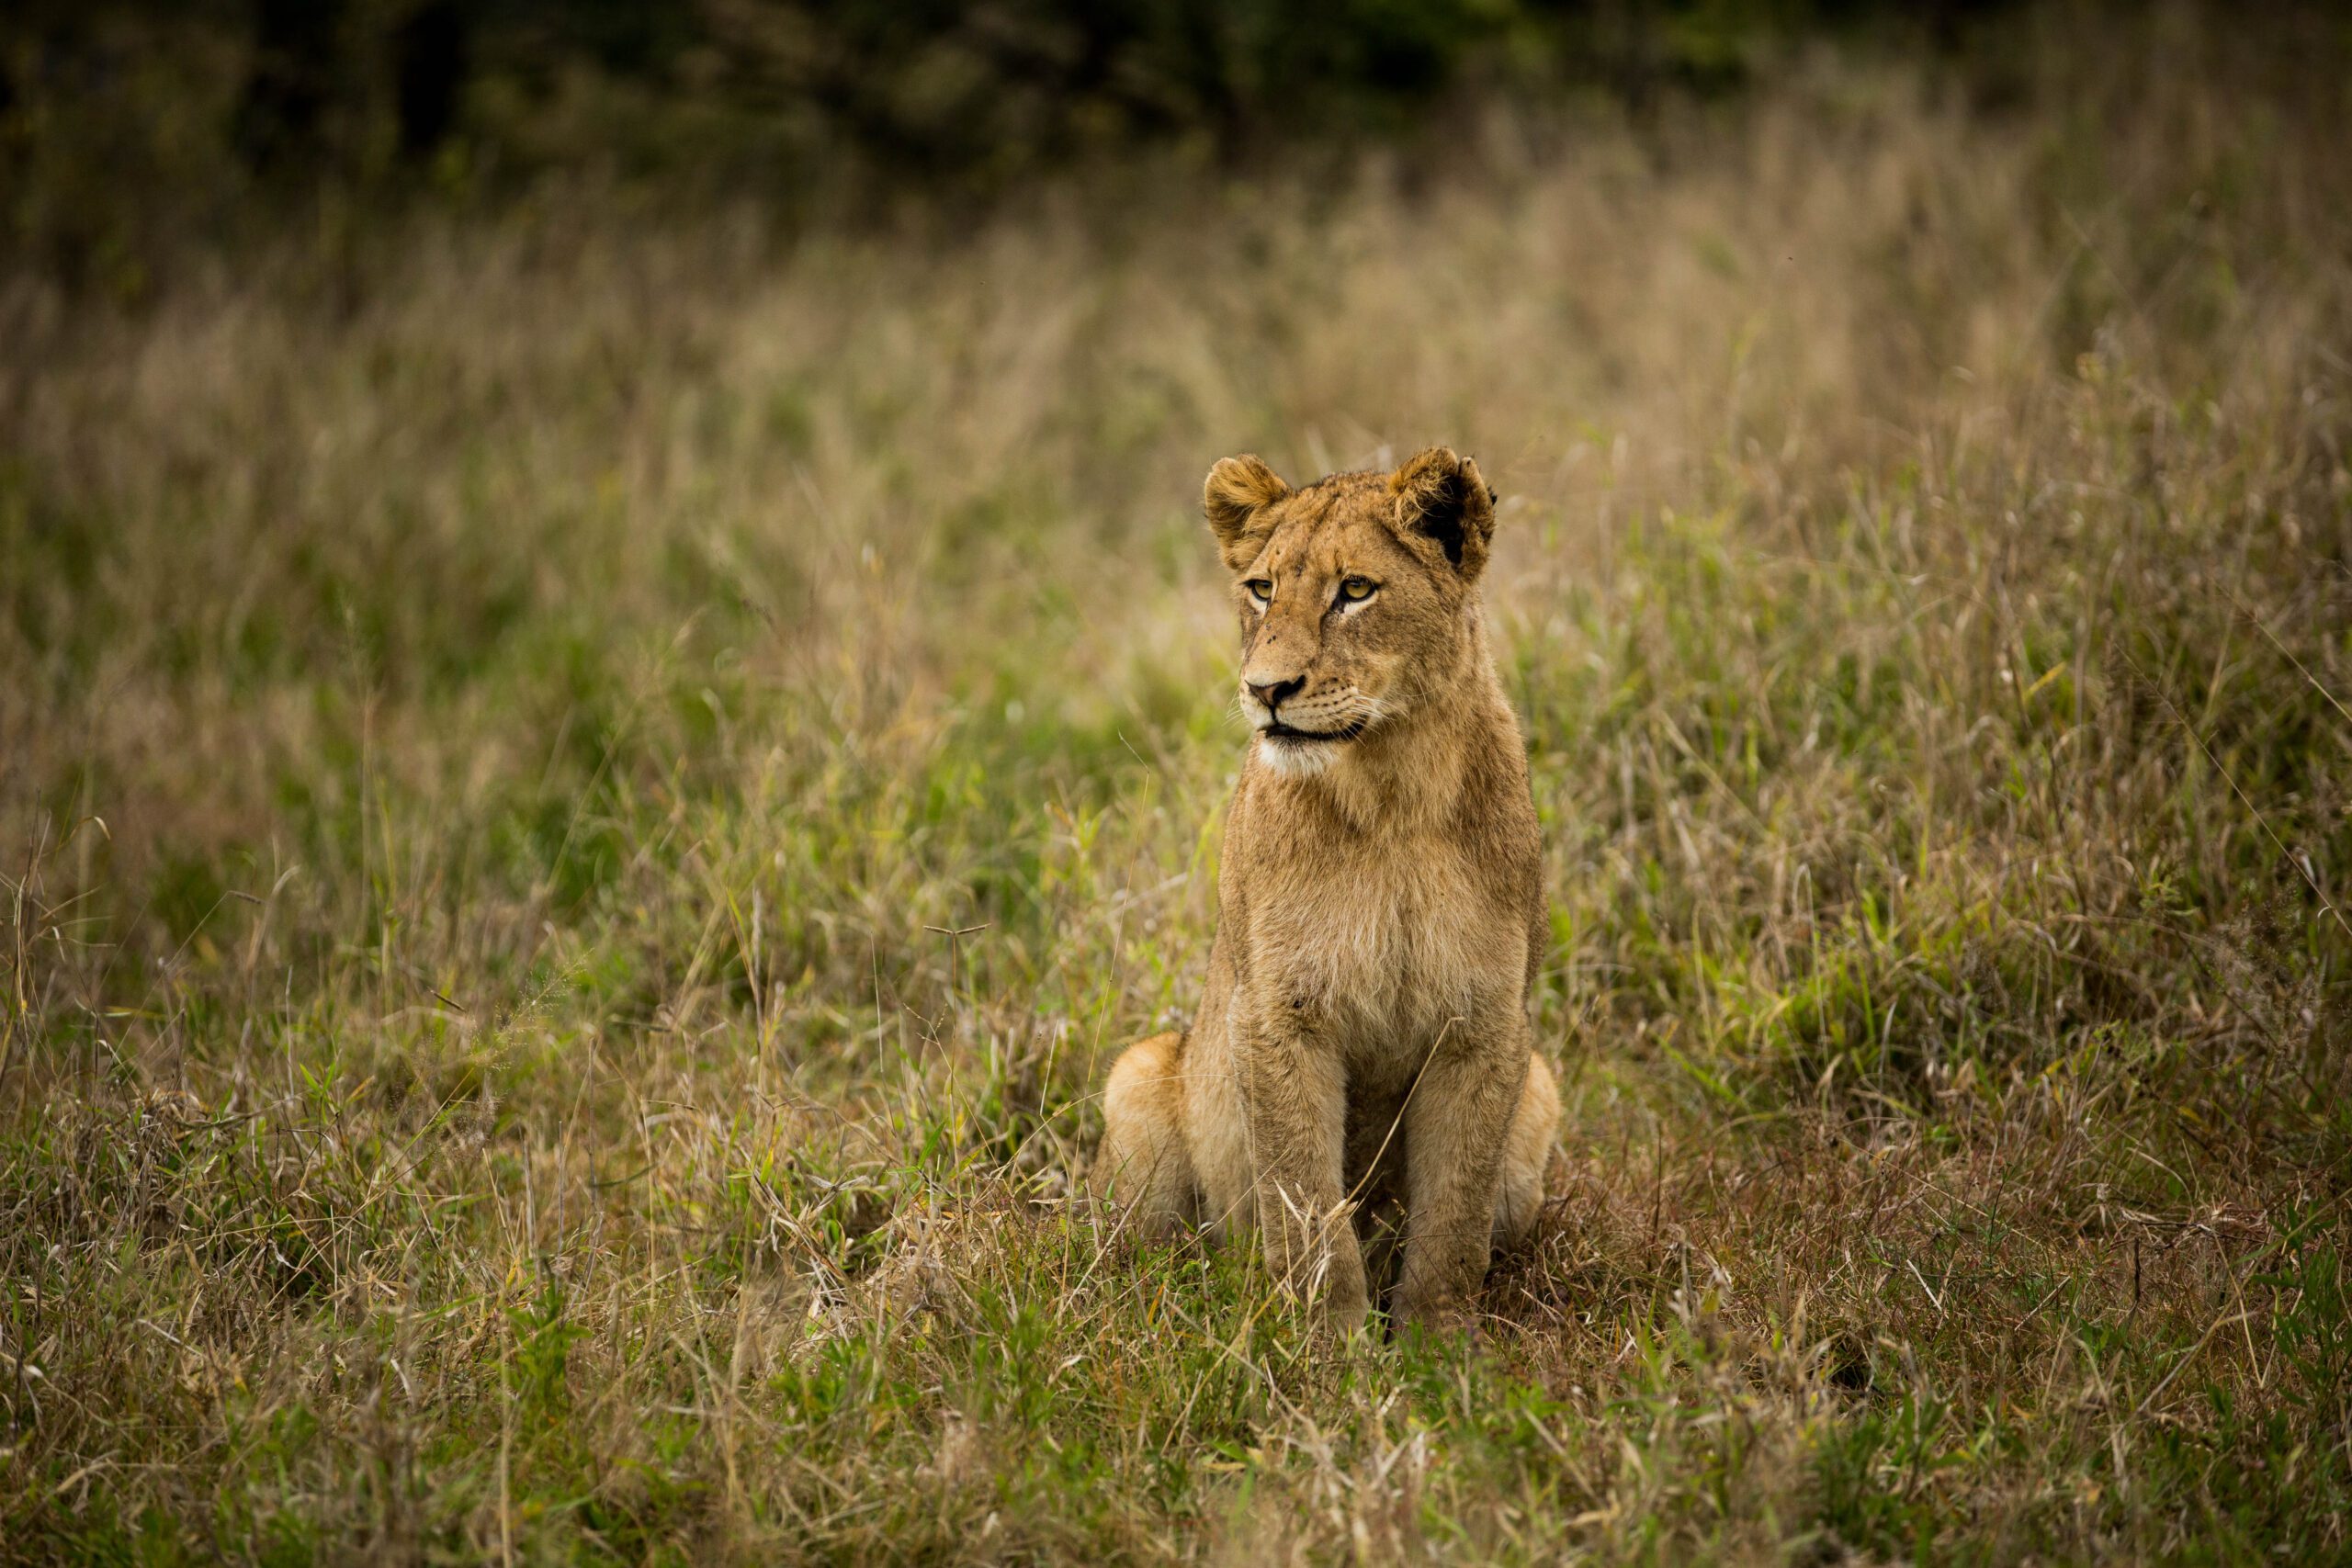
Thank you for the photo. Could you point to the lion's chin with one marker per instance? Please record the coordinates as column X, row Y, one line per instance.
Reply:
column 1300, row 756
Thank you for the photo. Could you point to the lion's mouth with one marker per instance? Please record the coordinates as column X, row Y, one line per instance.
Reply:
column 1348, row 731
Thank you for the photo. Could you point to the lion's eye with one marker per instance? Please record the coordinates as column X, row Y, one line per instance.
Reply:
column 1260, row 589
column 1354, row 590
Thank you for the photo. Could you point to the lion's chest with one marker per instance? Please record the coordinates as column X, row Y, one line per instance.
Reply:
column 1386, row 949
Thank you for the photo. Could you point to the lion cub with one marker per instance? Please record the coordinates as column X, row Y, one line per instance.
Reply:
column 1364, row 1039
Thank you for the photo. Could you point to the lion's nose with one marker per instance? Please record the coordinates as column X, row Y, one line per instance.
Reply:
column 1275, row 695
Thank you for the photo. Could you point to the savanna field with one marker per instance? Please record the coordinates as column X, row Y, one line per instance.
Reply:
column 586, row 793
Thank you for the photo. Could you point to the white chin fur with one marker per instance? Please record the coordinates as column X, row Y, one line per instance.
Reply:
column 1300, row 759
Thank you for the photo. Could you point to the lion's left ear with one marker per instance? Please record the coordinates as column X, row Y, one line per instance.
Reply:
column 1234, row 500
column 1441, row 498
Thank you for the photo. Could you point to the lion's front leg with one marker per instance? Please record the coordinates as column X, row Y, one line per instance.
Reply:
column 1455, row 1125
column 1295, row 1093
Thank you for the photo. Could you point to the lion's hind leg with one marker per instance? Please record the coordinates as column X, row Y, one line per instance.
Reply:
column 1144, row 1167
column 1527, row 1155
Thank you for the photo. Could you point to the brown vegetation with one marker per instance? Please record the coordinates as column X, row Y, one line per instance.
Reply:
column 585, row 805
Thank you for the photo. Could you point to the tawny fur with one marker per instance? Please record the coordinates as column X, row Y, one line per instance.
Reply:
column 1363, row 1041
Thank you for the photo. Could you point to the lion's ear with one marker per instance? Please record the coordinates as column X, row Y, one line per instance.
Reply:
column 1238, row 492
column 1443, row 499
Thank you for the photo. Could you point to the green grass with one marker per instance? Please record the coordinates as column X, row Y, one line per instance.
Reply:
column 585, row 808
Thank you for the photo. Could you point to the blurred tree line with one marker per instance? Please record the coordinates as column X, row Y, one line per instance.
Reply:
column 122, row 121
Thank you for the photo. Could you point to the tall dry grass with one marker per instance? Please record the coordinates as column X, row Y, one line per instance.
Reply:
column 585, row 800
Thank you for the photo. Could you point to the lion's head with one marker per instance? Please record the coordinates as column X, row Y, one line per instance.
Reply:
column 1356, row 594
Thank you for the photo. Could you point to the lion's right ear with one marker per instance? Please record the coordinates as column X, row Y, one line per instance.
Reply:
column 1443, row 501
column 1235, row 499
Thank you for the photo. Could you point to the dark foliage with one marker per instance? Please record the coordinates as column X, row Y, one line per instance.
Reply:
column 125, row 127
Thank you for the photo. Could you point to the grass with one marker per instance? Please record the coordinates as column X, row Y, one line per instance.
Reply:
column 585, row 801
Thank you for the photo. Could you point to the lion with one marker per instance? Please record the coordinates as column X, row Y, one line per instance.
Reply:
column 1363, row 1041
